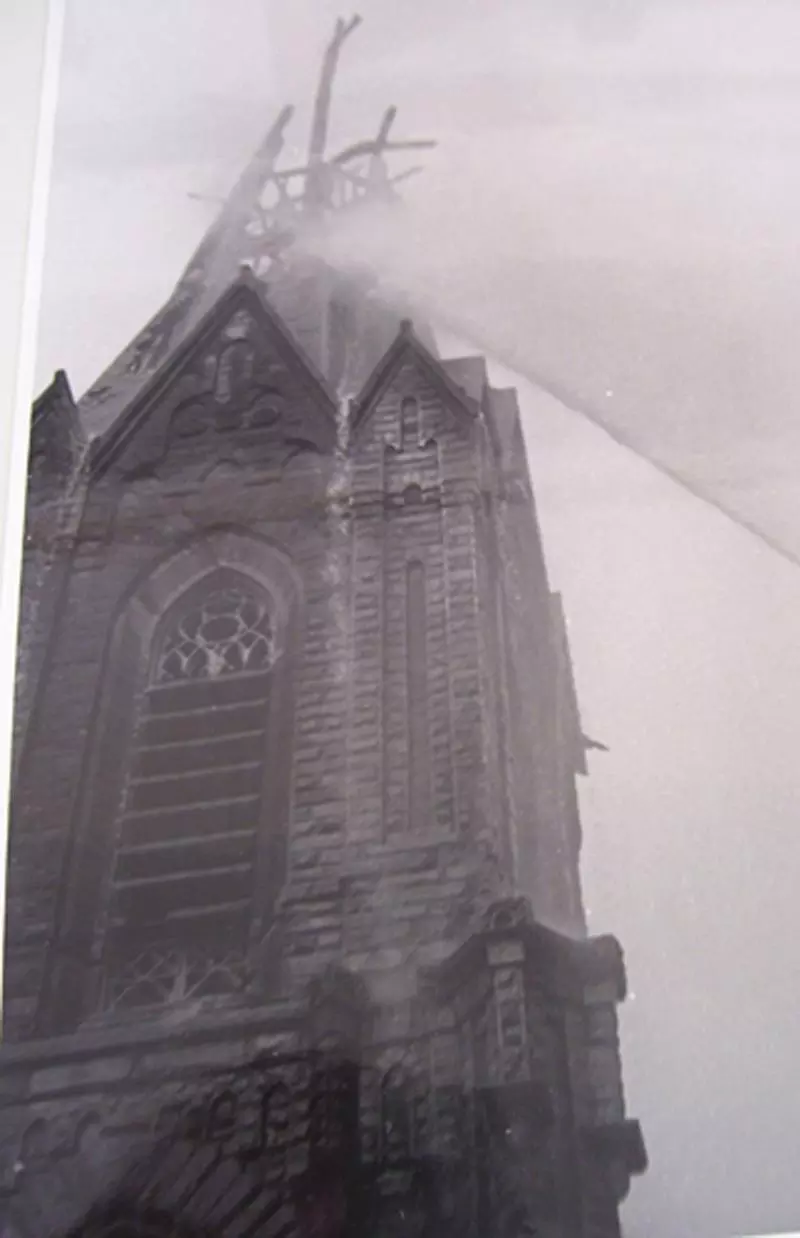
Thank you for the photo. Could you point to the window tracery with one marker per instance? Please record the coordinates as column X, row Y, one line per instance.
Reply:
column 165, row 977
column 227, row 632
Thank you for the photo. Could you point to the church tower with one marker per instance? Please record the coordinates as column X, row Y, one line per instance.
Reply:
column 295, row 931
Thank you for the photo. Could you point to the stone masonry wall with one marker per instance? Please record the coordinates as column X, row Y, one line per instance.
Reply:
column 546, row 850
column 127, row 527
column 414, row 885
column 353, row 853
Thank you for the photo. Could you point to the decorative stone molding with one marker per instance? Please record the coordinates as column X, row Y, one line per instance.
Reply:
column 507, row 915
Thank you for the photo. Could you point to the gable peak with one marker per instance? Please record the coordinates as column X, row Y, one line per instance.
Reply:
column 227, row 346
column 408, row 345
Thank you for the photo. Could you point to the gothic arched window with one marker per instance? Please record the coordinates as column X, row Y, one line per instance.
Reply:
column 182, row 881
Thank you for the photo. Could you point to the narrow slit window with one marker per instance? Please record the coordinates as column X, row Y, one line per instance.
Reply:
column 396, row 1118
column 234, row 372
column 409, row 424
column 419, row 806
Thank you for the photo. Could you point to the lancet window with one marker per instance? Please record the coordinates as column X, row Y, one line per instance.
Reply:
column 182, row 880
column 409, row 424
column 419, row 773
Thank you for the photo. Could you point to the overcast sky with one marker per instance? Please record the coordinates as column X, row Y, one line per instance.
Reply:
column 613, row 206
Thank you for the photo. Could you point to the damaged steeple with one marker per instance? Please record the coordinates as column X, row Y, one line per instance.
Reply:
column 298, row 774
column 278, row 221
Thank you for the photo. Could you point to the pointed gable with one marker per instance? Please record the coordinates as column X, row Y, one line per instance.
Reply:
column 409, row 353
column 239, row 380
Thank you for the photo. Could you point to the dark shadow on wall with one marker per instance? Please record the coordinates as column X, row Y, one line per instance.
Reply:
column 306, row 1146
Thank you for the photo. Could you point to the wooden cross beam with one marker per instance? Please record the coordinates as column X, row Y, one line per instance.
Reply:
column 322, row 109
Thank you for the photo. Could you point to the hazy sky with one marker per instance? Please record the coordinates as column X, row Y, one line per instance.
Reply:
column 613, row 205
column 627, row 187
